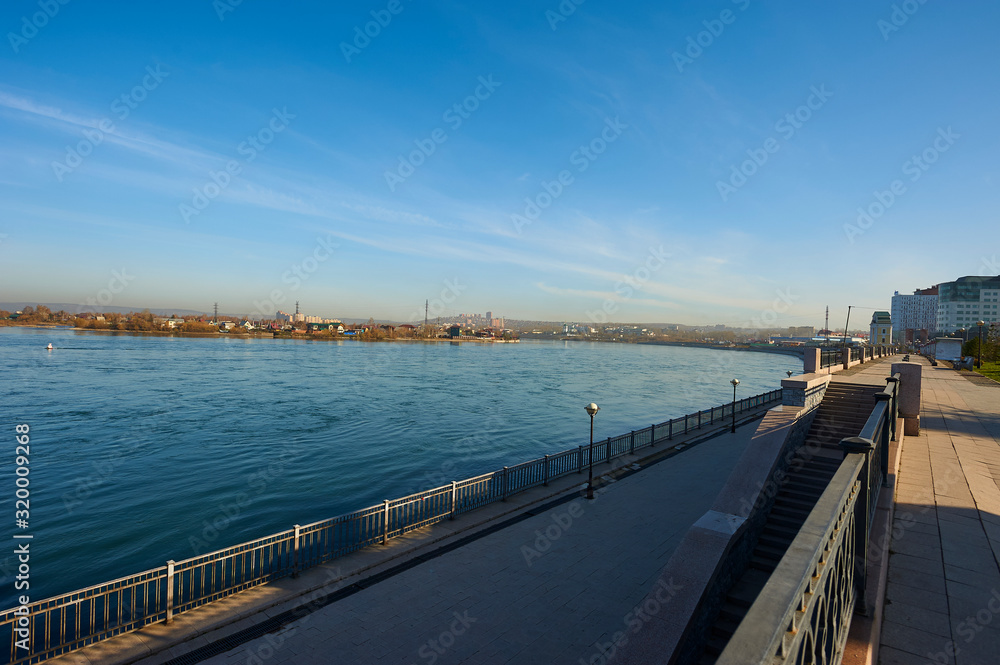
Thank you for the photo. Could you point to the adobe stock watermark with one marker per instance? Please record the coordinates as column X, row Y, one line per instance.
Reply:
column 294, row 277
column 781, row 304
column 991, row 265
column 228, row 512
column 269, row 645
column 562, row 12
column 626, row 287
column 914, row 167
column 121, row 107
column 363, row 35
column 434, row 648
column 436, row 307
column 562, row 521
column 31, row 25
column 223, row 7
column 654, row 603
column 581, row 158
column 248, row 149
column 697, row 43
column 786, row 128
column 454, row 116
column 463, row 450
column 119, row 282
column 899, row 17
column 969, row 628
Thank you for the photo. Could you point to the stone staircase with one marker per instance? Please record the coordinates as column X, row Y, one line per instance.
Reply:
column 842, row 413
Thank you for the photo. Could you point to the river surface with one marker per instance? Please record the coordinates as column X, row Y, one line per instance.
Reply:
column 139, row 443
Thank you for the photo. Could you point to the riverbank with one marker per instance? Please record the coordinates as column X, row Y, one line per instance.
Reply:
column 786, row 351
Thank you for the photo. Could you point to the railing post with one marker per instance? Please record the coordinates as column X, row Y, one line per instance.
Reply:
column 295, row 551
column 892, row 384
column 652, row 434
column 385, row 522
column 579, row 459
column 631, row 443
column 454, row 495
column 670, row 429
column 170, row 591
column 699, row 419
column 546, row 481
column 506, row 484
column 862, row 518
column 685, row 423
column 885, row 435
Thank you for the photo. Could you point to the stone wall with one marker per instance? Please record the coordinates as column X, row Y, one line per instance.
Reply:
column 717, row 549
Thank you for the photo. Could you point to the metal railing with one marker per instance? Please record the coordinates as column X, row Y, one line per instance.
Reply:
column 803, row 614
column 73, row 620
column 830, row 357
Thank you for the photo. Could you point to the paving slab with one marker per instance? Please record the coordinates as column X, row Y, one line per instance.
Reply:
column 944, row 590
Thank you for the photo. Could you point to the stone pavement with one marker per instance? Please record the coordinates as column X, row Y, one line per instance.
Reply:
column 943, row 595
column 549, row 589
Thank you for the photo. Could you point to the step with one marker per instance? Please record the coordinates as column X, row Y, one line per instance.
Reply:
column 778, row 531
column 779, row 541
column 763, row 565
column 746, row 589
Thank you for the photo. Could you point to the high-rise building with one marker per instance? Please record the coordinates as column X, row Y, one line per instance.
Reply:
column 967, row 300
column 914, row 317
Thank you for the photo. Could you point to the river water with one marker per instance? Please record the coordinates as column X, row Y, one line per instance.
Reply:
column 140, row 443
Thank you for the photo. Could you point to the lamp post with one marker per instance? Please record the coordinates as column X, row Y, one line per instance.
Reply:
column 735, row 383
column 979, row 360
column 592, row 409
column 789, row 373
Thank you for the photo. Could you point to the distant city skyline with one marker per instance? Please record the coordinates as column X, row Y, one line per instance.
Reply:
column 736, row 164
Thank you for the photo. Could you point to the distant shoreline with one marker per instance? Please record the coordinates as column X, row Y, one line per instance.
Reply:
column 760, row 349
column 258, row 335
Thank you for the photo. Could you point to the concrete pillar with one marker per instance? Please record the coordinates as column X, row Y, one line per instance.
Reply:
column 845, row 356
column 909, row 396
column 810, row 362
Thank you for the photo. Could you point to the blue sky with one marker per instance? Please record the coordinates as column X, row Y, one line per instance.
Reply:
column 689, row 162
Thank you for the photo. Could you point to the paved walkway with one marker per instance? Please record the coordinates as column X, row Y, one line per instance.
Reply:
column 943, row 595
column 550, row 589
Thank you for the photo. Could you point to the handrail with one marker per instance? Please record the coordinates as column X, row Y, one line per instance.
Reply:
column 811, row 587
column 69, row 621
column 804, row 611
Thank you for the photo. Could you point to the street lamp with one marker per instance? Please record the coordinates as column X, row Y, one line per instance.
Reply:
column 789, row 373
column 979, row 361
column 735, row 383
column 592, row 409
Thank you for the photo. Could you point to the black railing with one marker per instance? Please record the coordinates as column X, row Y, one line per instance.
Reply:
column 803, row 614
column 73, row 620
column 830, row 357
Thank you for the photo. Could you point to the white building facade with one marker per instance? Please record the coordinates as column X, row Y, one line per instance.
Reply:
column 914, row 316
column 966, row 301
